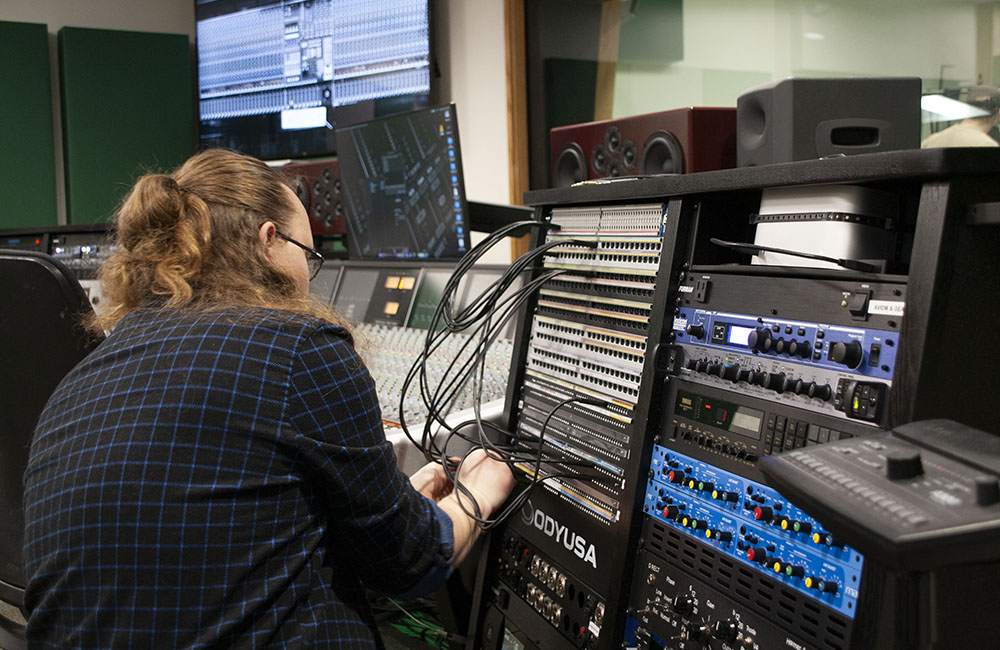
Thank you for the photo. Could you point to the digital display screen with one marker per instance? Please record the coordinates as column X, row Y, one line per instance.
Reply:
column 355, row 293
column 275, row 77
column 403, row 190
column 725, row 415
column 324, row 283
column 428, row 296
column 738, row 335
column 746, row 421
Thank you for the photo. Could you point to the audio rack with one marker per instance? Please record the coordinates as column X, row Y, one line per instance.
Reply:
column 738, row 362
column 585, row 358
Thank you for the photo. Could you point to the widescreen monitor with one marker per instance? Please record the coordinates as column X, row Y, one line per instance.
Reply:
column 403, row 189
column 275, row 77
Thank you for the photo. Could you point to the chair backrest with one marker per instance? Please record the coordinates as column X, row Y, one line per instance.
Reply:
column 41, row 339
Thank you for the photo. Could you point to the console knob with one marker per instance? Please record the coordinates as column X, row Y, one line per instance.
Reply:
column 744, row 375
column 715, row 369
column 776, row 381
column 731, row 372
column 987, row 490
column 691, row 364
column 757, row 554
column 757, row 378
column 762, row 513
column 804, row 387
column 702, row 366
column 684, row 605
column 675, row 477
column 823, row 392
column 800, row 349
column 901, row 465
column 781, row 346
column 760, row 339
column 696, row 331
column 700, row 633
column 727, row 630
column 848, row 353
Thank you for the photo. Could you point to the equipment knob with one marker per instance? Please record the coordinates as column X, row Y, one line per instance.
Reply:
column 757, row 554
column 759, row 339
column 684, row 605
column 727, row 630
column 987, row 490
column 715, row 369
column 800, row 349
column 700, row 633
column 776, row 381
column 744, row 375
column 731, row 372
column 781, row 346
column 691, row 364
column 696, row 331
column 804, row 387
column 901, row 465
column 757, row 378
column 675, row 477
column 826, row 586
column 848, row 353
column 762, row 513
column 702, row 366
column 823, row 392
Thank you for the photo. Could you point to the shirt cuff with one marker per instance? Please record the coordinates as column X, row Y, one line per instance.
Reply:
column 440, row 568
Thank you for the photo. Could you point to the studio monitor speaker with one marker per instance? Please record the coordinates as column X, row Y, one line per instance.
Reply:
column 804, row 119
column 318, row 186
column 669, row 142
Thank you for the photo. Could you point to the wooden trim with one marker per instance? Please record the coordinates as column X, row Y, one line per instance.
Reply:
column 517, row 109
column 607, row 58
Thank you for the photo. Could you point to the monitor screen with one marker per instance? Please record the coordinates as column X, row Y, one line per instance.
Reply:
column 403, row 190
column 275, row 77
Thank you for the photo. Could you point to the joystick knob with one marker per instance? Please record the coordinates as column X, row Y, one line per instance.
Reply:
column 902, row 465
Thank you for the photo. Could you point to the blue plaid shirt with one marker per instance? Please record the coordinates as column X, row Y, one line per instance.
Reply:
column 220, row 480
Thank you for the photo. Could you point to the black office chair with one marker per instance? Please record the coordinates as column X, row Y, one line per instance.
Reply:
column 41, row 306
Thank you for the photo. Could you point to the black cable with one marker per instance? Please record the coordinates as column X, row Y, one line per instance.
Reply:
column 757, row 249
column 482, row 321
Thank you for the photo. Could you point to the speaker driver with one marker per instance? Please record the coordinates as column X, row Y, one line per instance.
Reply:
column 661, row 154
column 599, row 159
column 629, row 155
column 571, row 166
column 614, row 168
column 613, row 140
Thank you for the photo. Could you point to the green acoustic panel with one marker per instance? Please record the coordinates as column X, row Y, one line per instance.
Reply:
column 27, row 152
column 127, row 109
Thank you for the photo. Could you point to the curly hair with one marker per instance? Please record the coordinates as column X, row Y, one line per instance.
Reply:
column 189, row 240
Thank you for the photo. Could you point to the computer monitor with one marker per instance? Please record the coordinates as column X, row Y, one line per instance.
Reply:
column 276, row 76
column 403, row 190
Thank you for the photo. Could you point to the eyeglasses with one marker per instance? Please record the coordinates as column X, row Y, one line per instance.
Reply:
column 313, row 258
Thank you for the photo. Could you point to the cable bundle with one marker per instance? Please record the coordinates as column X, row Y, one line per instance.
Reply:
column 483, row 319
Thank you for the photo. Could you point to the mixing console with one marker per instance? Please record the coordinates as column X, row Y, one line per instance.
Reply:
column 390, row 352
